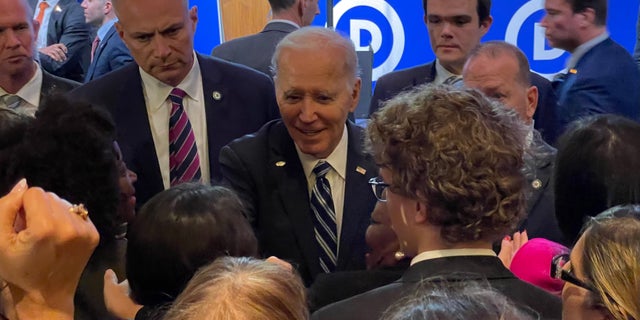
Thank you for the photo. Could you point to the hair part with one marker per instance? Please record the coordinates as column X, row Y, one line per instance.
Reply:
column 318, row 39
column 459, row 153
column 242, row 288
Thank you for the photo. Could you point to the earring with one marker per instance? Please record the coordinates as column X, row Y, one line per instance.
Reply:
column 399, row 255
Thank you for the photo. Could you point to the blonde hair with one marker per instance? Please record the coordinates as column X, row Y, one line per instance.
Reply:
column 610, row 260
column 241, row 288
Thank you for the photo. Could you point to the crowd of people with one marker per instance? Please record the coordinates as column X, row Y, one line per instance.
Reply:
column 175, row 185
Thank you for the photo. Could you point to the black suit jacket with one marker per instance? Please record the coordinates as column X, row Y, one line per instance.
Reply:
column 371, row 305
column 392, row 83
column 255, row 51
column 67, row 26
column 110, row 55
column 541, row 219
column 52, row 85
column 246, row 102
column 267, row 173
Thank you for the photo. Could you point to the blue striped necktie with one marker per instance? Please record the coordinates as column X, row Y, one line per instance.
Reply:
column 324, row 218
column 184, row 162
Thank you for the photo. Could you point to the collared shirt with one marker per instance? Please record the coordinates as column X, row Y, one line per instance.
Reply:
column 156, row 96
column 285, row 21
column 338, row 161
column 42, row 33
column 442, row 74
column 30, row 94
column 580, row 51
column 434, row 254
column 102, row 31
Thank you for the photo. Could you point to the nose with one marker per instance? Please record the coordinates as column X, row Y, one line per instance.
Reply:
column 161, row 48
column 83, row 4
column 133, row 177
column 446, row 30
column 543, row 21
column 307, row 111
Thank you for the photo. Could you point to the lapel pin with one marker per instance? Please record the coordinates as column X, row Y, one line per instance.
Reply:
column 216, row 95
column 536, row 184
column 280, row 164
column 361, row 170
column 573, row 70
column 57, row 9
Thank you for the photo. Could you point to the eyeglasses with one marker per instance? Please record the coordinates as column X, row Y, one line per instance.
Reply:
column 379, row 188
column 559, row 272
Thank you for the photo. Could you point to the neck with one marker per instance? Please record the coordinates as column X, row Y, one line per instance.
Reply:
column 11, row 83
column 433, row 241
column 590, row 34
column 288, row 15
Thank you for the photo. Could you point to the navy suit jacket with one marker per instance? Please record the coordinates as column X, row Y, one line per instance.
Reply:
column 395, row 82
column 110, row 55
column 255, row 51
column 264, row 168
column 604, row 80
column 67, row 26
column 371, row 304
column 247, row 101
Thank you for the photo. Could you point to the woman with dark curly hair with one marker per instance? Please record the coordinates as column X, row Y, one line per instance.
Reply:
column 451, row 176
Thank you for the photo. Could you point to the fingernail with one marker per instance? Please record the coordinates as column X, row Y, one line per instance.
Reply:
column 20, row 186
column 508, row 238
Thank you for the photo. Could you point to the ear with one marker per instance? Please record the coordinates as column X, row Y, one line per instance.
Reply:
column 107, row 7
column 193, row 16
column 301, row 5
column 120, row 31
column 485, row 25
column 425, row 18
column 421, row 213
column 587, row 17
column 532, row 101
column 36, row 28
column 355, row 95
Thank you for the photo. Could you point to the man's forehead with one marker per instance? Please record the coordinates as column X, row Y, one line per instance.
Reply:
column 451, row 8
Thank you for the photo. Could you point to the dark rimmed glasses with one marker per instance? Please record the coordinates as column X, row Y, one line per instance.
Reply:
column 379, row 188
column 559, row 272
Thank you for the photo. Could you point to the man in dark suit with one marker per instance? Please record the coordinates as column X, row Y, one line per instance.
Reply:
column 175, row 109
column 602, row 76
column 108, row 52
column 501, row 71
column 304, row 178
column 23, row 84
column 449, row 194
column 451, row 45
column 63, row 41
column 255, row 51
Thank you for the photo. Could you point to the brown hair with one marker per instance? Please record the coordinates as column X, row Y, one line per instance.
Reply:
column 459, row 153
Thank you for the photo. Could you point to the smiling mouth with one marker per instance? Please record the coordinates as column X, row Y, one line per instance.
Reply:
column 310, row 132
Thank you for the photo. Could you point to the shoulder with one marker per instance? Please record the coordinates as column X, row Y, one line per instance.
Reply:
column 406, row 76
column 259, row 139
column 58, row 84
column 368, row 305
column 105, row 87
column 231, row 72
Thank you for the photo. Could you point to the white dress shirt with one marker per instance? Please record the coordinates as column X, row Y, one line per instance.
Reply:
column 434, row 254
column 29, row 93
column 156, row 96
column 42, row 33
column 442, row 74
column 336, row 176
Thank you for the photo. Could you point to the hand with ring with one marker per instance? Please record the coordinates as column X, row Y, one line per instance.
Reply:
column 44, row 246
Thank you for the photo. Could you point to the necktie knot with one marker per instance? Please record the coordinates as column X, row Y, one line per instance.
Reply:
column 177, row 95
column 43, row 5
column 321, row 169
column 453, row 80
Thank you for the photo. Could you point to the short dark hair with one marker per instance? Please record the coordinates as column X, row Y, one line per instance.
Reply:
column 279, row 5
column 599, row 6
column 495, row 48
column 178, row 231
column 483, row 7
column 593, row 169
column 68, row 149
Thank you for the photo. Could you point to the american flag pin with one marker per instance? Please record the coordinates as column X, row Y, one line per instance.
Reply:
column 280, row 164
column 361, row 170
column 536, row 184
column 216, row 95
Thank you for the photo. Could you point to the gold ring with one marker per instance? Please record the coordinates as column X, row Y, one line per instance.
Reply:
column 80, row 210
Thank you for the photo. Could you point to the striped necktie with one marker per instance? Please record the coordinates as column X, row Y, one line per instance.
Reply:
column 324, row 218
column 184, row 162
column 455, row 81
column 12, row 101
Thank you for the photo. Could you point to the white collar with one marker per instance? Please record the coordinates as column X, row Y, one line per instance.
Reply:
column 337, row 159
column 434, row 254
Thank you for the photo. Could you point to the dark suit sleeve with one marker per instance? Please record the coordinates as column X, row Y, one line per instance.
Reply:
column 75, row 36
column 236, row 176
column 120, row 55
column 585, row 98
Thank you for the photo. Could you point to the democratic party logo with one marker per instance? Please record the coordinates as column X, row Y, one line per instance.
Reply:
column 373, row 24
column 525, row 32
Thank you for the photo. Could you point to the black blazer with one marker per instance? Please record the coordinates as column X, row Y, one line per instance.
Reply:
column 67, row 26
column 267, row 173
column 255, row 51
column 52, row 85
column 371, row 305
column 392, row 83
column 245, row 101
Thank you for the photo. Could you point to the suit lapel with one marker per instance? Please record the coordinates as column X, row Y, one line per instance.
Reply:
column 214, row 92
column 54, row 30
column 292, row 191
column 357, row 194
column 542, row 157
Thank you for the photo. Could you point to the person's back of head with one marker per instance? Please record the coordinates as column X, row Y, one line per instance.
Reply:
column 610, row 251
column 178, row 231
column 595, row 169
column 435, row 298
column 241, row 288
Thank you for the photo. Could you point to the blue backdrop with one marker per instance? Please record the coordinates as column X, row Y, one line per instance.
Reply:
column 396, row 32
